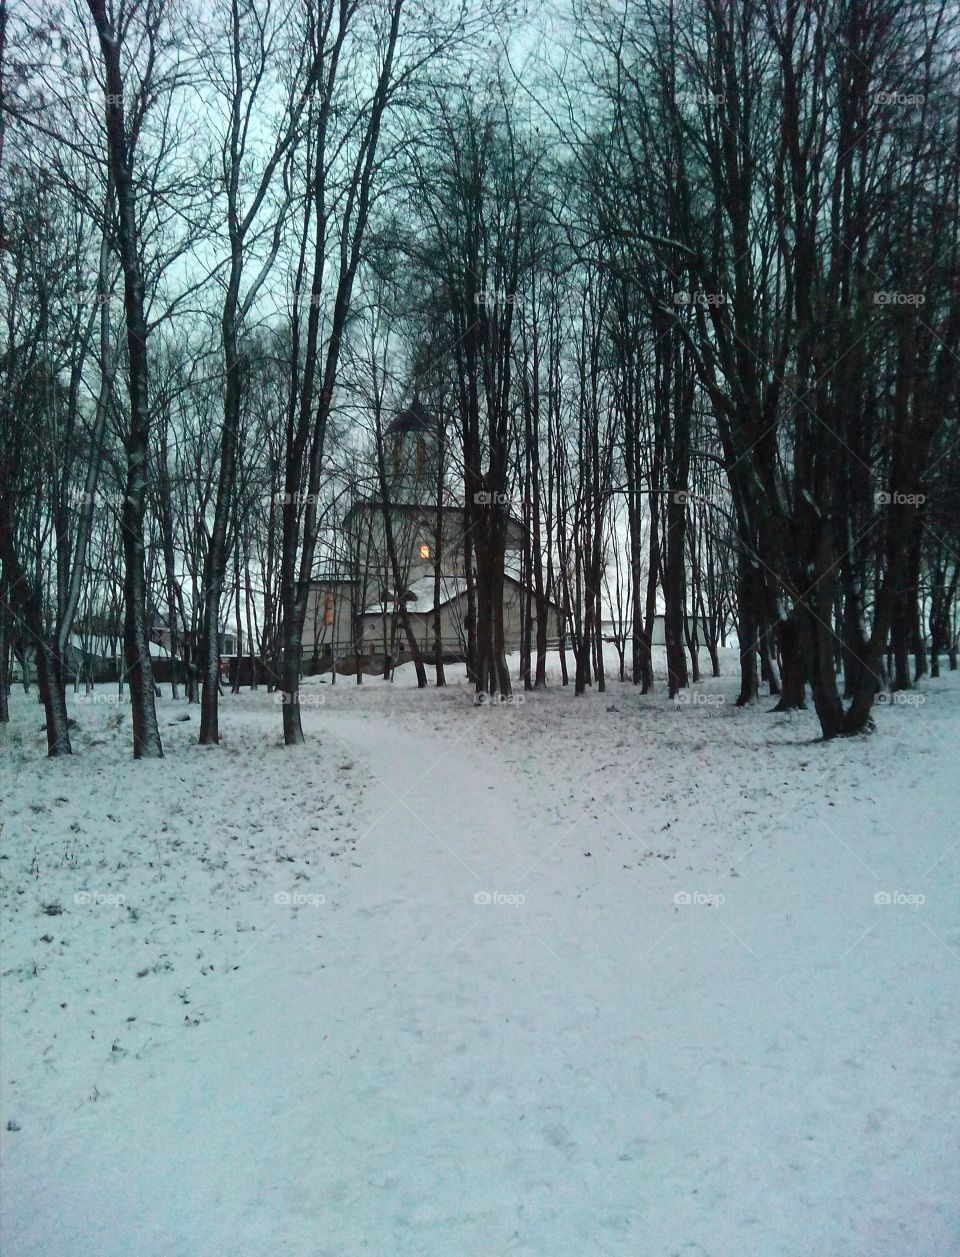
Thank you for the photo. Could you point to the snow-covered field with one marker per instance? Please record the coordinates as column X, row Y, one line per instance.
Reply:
column 564, row 978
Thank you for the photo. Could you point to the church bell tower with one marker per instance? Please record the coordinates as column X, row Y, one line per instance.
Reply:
column 412, row 457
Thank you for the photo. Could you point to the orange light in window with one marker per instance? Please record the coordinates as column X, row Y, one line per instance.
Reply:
column 424, row 552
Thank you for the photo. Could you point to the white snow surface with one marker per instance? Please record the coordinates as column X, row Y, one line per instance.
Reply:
column 586, row 1065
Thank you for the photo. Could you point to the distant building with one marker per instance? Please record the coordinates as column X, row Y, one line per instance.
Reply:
column 161, row 633
column 89, row 658
column 354, row 612
column 610, row 630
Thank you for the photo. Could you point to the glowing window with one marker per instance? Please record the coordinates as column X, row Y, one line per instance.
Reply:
column 424, row 552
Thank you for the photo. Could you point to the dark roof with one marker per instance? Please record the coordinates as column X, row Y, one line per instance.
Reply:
column 333, row 578
column 428, row 506
column 396, row 507
column 414, row 419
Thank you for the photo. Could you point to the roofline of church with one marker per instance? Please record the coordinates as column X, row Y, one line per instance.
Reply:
column 451, row 507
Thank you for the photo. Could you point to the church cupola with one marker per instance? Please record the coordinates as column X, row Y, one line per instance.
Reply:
column 411, row 453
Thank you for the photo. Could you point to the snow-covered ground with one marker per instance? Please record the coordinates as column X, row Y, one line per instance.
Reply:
column 563, row 978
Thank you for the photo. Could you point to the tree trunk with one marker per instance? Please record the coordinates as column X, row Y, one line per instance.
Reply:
column 768, row 667
column 748, row 629
column 793, row 691
column 27, row 605
column 138, row 670
column 215, row 568
column 4, row 658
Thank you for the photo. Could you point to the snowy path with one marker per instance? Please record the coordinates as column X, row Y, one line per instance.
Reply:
column 586, row 1067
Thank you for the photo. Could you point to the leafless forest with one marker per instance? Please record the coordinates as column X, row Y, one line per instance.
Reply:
column 678, row 283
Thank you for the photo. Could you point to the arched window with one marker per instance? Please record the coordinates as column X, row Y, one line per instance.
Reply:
column 421, row 459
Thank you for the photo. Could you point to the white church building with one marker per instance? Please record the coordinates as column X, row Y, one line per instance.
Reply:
column 352, row 612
